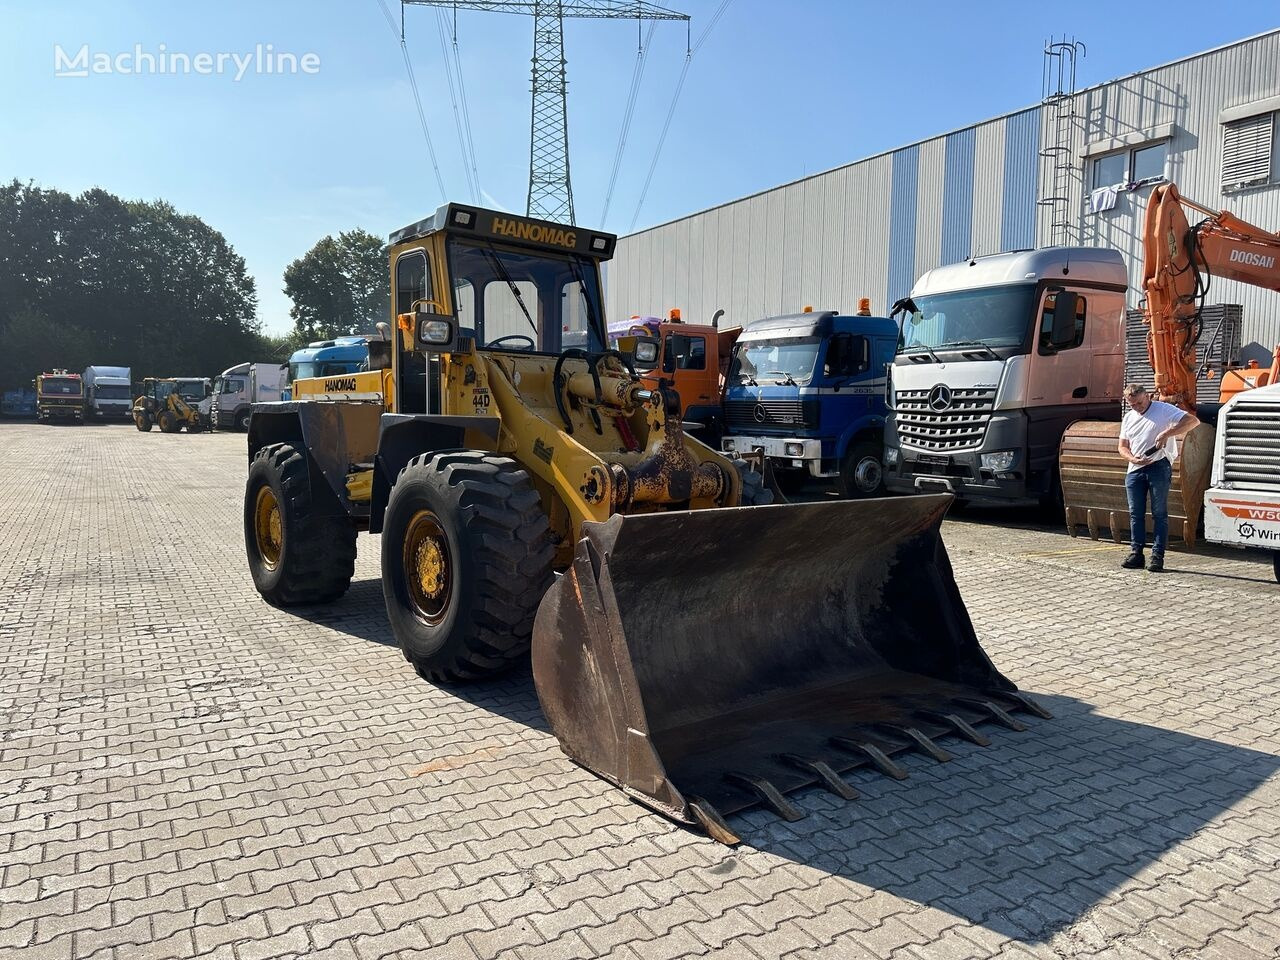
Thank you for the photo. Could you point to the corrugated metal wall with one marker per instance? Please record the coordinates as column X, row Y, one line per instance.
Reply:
column 872, row 227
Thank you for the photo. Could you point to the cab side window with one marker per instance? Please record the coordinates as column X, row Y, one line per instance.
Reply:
column 412, row 281
column 1045, row 338
column 684, row 353
column 232, row 386
column 847, row 356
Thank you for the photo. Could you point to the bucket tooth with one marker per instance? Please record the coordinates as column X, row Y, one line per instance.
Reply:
column 769, row 795
column 826, row 776
column 879, row 759
column 1027, row 703
column 924, row 743
column 712, row 822
column 959, row 726
column 998, row 713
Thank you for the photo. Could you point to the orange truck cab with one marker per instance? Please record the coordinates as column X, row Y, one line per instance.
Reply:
column 693, row 357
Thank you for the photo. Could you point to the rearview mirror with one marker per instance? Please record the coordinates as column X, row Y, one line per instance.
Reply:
column 1064, row 319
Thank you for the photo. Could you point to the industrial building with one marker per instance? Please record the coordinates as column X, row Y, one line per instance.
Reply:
column 1075, row 168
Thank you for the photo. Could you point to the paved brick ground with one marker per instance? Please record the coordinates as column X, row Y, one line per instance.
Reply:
column 186, row 771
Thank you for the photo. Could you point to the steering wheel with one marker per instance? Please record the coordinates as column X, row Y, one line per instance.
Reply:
column 528, row 343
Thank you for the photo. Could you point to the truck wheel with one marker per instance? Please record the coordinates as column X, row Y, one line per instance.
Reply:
column 143, row 423
column 754, row 492
column 301, row 549
column 242, row 421
column 861, row 472
column 466, row 559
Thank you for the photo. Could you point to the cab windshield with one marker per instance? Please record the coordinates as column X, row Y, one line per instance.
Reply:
column 525, row 299
column 60, row 386
column 307, row 369
column 789, row 360
column 991, row 317
column 111, row 391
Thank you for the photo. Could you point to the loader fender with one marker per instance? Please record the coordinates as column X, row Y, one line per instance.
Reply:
column 403, row 436
column 336, row 437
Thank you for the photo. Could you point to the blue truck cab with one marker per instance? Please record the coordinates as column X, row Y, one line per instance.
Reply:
column 327, row 358
column 807, row 390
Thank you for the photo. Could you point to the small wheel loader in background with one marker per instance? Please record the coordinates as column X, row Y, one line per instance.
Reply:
column 701, row 649
column 162, row 405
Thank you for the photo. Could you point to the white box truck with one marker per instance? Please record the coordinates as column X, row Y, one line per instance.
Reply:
column 107, row 393
column 237, row 388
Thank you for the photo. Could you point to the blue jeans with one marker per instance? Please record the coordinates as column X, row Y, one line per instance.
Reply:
column 1153, row 479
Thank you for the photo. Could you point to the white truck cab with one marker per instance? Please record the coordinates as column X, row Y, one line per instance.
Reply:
column 991, row 370
column 237, row 388
column 1242, row 504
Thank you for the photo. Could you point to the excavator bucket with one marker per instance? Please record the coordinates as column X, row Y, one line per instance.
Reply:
column 1093, row 473
column 709, row 661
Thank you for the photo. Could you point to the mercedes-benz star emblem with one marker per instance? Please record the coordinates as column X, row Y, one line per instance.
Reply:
column 940, row 397
column 760, row 413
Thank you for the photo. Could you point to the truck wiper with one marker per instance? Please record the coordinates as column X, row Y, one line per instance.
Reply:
column 922, row 346
column 970, row 343
column 747, row 378
column 789, row 382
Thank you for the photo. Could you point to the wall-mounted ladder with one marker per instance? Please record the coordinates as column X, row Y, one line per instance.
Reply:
column 1058, row 166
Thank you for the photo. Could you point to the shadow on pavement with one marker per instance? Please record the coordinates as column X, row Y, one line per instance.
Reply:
column 1025, row 836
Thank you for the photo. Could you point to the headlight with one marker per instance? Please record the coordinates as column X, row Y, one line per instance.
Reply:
column 890, row 456
column 794, row 449
column 999, row 462
column 435, row 331
column 727, row 444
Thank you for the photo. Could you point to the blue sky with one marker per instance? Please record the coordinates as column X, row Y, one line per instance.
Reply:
column 779, row 90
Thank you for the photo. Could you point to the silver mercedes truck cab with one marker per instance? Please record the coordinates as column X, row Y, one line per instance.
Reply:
column 997, row 356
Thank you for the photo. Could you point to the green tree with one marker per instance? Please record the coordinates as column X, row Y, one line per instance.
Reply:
column 339, row 286
column 98, row 279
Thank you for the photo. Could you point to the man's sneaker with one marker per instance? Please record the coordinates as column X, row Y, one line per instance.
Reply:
column 1133, row 561
column 1156, row 565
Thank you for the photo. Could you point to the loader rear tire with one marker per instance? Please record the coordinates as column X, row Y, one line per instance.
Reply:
column 466, row 559
column 301, row 546
column 754, row 491
column 143, row 423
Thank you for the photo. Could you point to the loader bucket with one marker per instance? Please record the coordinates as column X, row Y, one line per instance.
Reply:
column 1093, row 473
column 707, row 661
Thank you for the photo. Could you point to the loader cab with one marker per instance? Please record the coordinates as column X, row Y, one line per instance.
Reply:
column 508, row 284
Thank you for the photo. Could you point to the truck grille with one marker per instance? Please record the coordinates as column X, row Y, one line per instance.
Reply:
column 213, row 411
column 961, row 424
column 754, row 414
column 1251, row 444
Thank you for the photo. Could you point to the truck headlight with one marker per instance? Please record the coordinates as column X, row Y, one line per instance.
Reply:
column 727, row 444
column 999, row 462
column 890, row 456
column 794, row 449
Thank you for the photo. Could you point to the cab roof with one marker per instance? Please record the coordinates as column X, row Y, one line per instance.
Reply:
column 816, row 324
column 467, row 221
column 1093, row 265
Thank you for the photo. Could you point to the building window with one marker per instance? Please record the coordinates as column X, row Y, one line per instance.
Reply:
column 1246, row 151
column 1132, row 167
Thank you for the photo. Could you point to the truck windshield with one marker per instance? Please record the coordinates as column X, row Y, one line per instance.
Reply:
column 778, row 361
column 548, row 298
column 990, row 317
column 111, row 391
column 60, row 386
column 306, row 369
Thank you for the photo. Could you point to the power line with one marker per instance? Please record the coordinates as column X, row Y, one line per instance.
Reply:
column 467, row 166
column 417, row 97
column 466, row 110
column 642, row 52
column 675, row 99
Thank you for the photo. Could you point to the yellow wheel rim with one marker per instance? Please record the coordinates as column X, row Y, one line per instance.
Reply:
column 427, row 567
column 268, row 527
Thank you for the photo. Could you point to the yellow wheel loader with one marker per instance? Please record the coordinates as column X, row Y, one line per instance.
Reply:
column 160, row 405
column 698, row 647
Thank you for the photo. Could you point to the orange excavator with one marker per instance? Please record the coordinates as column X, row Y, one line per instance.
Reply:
column 1178, row 262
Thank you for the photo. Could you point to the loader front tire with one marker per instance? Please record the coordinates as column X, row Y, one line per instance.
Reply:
column 301, row 546
column 169, row 422
column 466, row 559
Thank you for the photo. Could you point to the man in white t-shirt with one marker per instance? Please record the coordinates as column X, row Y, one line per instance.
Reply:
column 1149, row 441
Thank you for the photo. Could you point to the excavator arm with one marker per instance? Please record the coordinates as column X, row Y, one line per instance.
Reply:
column 1179, row 260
